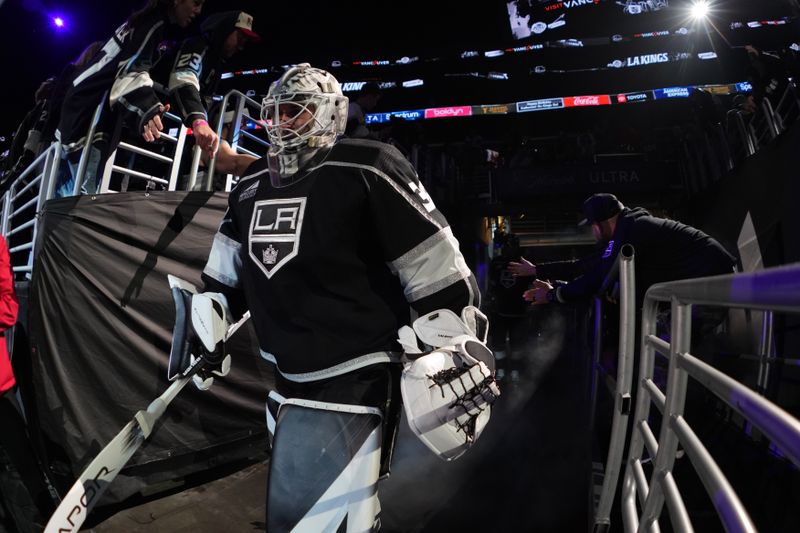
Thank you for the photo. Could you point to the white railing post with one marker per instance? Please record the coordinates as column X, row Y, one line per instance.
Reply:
column 622, row 390
column 87, row 146
column 176, row 161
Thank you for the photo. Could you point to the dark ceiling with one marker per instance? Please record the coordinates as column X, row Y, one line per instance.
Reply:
column 319, row 32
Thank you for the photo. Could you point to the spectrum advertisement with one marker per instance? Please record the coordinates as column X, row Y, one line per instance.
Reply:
column 380, row 118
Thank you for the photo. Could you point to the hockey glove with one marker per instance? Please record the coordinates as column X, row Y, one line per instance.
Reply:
column 448, row 391
column 201, row 323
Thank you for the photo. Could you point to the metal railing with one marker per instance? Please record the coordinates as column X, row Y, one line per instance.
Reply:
column 168, row 180
column 26, row 195
column 775, row 289
column 243, row 108
column 623, row 272
column 787, row 109
column 708, row 157
column 22, row 202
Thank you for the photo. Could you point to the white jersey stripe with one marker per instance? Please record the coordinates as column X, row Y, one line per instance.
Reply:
column 434, row 264
column 224, row 261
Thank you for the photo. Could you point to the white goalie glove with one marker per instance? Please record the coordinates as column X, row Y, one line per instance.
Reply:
column 448, row 391
column 201, row 323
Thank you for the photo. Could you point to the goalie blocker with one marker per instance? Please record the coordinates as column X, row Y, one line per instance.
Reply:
column 448, row 391
column 201, row 321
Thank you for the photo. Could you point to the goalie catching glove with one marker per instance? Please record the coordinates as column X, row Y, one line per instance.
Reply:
column 448, row 391
column 201, row 323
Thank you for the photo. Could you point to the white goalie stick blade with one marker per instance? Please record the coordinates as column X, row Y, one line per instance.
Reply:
column 95, row 479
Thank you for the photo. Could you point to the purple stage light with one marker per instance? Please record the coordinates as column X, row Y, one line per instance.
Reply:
column 59, row 22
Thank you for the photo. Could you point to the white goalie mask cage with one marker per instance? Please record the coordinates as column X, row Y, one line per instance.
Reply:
column 303, row 92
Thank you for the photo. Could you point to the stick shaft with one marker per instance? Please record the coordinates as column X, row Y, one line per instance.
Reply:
column 95, row 479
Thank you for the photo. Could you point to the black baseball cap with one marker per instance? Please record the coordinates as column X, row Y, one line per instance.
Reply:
column 599, row 207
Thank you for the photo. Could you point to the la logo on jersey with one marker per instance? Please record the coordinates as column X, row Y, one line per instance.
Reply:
column 275, row 232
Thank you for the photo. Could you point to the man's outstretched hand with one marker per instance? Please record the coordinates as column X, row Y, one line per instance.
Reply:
column 523, row 269
column 538, row 294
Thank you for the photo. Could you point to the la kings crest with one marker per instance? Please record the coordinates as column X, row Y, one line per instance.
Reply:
column 275, row 232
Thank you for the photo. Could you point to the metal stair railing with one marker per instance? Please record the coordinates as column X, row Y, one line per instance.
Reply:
column 25, row 196
column 168, row 182
column 622, row 271
column 774, row 289
column 787, row 110
column 244, row 108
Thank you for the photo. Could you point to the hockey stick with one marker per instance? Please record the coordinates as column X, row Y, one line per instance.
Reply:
column 95, row 479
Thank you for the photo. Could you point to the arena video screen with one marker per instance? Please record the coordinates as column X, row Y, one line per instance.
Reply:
column 553, row 19
column 541, row 18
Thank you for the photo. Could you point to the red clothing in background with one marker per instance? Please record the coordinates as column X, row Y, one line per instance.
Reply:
column 9, row 306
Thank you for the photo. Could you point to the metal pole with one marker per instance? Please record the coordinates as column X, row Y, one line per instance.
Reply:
column 177, row 158
column 220, row 123
column 49, row 180
column 765, row 350
column 6, row 211
column 622, row 394
column 677, row 380
column 747, row 139
column 773, row 122
column 84, row 161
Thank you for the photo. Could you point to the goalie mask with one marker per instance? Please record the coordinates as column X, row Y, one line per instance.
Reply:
column 305, row 112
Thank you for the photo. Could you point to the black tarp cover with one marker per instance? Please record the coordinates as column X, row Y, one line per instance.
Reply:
column 101, row 317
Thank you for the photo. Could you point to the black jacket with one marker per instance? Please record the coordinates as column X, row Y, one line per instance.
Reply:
column 665, row 250
column 191, row 72
column 505, row 289
column 122, row 68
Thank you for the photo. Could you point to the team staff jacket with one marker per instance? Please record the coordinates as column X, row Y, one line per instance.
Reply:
column 329, row 265
column 665, row 250
column 9, row 306
column 122, row 66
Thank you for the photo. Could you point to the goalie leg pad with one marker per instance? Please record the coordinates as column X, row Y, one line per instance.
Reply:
column 324, row 467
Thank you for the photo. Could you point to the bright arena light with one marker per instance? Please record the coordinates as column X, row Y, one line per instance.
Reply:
column 699, row 10
column 59, row 22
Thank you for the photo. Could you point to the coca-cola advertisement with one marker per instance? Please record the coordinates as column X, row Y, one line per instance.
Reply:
column 590, row 100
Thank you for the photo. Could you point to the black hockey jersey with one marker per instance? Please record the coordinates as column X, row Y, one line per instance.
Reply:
column 506, row 290
column 121, row 68
column 329, row 265
column 191, row 72
column 188, row 72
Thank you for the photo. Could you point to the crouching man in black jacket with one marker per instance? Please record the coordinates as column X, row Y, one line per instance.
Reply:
column 666, row 250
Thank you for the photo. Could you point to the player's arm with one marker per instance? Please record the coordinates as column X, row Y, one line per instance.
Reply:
column 184, row 88
column 417, row 241
column 229, row 161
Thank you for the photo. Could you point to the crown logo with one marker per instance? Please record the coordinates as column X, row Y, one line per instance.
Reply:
column 270, row 255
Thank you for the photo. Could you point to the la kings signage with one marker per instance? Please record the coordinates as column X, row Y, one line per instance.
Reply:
column 275, row 232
